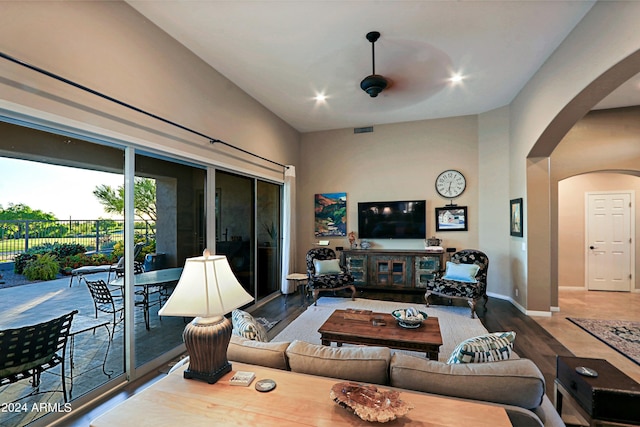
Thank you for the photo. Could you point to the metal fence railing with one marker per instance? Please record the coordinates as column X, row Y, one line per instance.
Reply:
column 17, row 236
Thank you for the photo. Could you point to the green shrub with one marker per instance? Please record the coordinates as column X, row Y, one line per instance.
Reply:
column 21, row 261
column 150, row 247
column 67, row 249
column 80, row 260
column 44, row 267
column 58, row 250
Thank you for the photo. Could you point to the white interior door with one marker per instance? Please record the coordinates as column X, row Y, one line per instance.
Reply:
column 609, row 260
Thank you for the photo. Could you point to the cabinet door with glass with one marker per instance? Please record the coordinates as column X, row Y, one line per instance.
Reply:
column 392, row 271
column 426, row 269
column 357, row 266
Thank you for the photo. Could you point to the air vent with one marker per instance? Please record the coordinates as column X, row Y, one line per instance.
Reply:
column 363, row 130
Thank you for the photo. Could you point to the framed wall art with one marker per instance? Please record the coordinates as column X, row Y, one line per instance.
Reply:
column 451, row 218
column 516, row 224
column 330, row 214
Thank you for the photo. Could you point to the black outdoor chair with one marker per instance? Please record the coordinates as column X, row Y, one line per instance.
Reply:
column 138, row 267
column 117, row 268
column 106, row 301
column 28, row 351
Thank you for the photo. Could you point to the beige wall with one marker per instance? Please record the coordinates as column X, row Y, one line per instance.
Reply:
column 493, row 215
column 395, row 162
column 109, row 47
column 571, row 222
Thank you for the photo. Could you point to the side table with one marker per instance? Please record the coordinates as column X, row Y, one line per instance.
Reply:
column 610, row 399
column 297, row 279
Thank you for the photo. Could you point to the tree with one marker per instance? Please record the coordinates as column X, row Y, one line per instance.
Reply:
column 21, row 211
column 17, row 214
column 144, row 199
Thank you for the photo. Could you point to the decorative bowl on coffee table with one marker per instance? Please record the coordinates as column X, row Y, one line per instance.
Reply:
column 409, row 318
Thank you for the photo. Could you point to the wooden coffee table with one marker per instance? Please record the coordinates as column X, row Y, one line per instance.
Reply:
column 343, row 327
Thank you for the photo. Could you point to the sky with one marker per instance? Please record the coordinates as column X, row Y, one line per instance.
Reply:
column 65, row 192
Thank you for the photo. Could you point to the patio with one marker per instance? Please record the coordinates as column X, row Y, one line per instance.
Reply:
column 41, row 301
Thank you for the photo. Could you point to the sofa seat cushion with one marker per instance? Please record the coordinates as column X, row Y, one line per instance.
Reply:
column 484, row 348
column 246, row 326
column 358, row 363
column 269, row 354
column 516, row 382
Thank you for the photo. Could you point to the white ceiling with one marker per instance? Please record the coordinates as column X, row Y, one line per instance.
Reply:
column 283, row 53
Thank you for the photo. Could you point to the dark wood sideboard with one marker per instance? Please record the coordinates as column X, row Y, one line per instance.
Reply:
column 392, row 269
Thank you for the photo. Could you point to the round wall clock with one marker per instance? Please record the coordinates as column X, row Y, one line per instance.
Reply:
column 450, row 184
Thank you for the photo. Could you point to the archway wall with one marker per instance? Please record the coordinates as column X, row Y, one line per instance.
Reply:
column 600, row 153
column 598, row 55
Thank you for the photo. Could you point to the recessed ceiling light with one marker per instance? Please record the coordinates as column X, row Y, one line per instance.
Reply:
column 456, row 78
column 321, row 97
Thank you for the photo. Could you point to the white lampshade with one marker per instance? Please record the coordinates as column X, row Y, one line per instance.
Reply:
column 207, row 288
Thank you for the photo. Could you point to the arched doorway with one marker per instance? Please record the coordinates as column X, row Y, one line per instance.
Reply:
column 542, row 184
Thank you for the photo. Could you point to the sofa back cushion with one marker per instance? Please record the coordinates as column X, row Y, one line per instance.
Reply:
column 516, row 382
column 269, row 354
column 358, row 363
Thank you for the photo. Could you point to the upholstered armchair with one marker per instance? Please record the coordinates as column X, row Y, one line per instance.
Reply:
column 464, row 278
column 326, row 274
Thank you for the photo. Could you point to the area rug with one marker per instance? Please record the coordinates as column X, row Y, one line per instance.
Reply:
column 456, row 324
column 621, row 335
column 268, row 324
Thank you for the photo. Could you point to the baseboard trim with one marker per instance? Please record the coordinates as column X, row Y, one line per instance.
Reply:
column 521, row 308
column 571, row 288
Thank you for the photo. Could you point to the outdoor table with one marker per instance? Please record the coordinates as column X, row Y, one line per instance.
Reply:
column 146, row 281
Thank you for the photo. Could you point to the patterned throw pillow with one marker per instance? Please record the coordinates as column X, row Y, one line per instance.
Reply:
column 246, row 326
column 484, row 348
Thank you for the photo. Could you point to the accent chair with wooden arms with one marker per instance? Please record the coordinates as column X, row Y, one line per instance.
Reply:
column 326, row 274
column 465, row 278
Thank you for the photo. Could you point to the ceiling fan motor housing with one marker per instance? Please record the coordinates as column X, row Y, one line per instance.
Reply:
column 374, row 83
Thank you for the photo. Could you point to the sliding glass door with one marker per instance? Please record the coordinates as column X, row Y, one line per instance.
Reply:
column 248, row 230
column 72, row 200
column 269, row 237
column 57, row 211
column 169, row 222
column 234, row 195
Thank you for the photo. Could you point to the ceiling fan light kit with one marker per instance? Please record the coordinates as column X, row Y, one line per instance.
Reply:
column 374, row 83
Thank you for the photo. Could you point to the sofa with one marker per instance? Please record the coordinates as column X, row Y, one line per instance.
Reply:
column 515, row 384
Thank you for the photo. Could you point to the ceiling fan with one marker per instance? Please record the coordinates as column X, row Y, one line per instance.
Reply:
column 374, row 83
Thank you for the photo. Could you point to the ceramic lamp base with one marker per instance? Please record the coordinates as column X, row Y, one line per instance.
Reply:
column 207, row 340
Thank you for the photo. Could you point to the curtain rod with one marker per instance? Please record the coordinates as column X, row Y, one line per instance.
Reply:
column 132, row 107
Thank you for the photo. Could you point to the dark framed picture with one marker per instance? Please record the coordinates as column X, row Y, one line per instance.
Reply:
column 515, row 222
column 451, row 218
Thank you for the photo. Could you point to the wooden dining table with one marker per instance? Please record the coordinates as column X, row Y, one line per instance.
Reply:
column 150, row 282
column 297, row 400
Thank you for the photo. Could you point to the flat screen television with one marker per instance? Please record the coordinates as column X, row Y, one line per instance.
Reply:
column 392, row 220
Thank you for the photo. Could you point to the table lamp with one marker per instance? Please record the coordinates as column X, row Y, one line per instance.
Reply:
column 207, row 290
